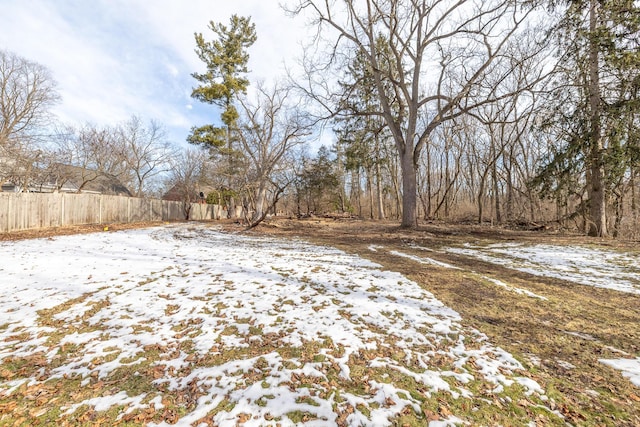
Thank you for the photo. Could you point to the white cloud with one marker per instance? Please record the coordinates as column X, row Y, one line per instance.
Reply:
column 115, row 58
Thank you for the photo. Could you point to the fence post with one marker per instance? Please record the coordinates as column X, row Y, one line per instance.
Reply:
column 9, row 214
column 62, row 224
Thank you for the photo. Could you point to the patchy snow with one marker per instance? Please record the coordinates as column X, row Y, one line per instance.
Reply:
column 242, row 324
column 424, row 260
column 431, row 261
column 587, row 266
column 615, row 350
column 449, row 422
column 565, row 365
column 106, row 402
column 510, row 288
column 421, row 248
column 582, row 335
column 630, row 368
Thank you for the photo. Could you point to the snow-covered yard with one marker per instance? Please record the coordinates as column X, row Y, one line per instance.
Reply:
column 583, row 265
column 186, row 324
column 618, row 271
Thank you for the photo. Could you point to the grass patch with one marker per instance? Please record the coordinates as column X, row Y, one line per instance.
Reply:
column 535, row 332
column 520, row 324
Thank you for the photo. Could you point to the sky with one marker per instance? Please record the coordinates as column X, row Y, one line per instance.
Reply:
column 112, row 59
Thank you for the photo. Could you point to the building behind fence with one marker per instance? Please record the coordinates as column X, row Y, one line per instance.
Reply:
column 23, row 211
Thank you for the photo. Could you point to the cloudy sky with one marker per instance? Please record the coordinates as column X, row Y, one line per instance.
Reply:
column 115, row 58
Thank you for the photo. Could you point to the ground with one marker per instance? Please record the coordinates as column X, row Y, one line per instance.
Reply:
column 558, row 330
column 576, row 324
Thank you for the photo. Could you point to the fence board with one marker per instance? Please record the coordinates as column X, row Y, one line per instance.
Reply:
column 5, row 212
column 199, row 211
column 114, row 209
column 155, row 210
column 23, row 211
column 138, row 210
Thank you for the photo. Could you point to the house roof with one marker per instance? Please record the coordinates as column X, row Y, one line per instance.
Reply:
column 176, row 193
column 70, row 179
column 91, row 181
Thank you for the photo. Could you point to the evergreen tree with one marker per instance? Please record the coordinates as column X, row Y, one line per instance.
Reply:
column 359, row 129
column 226, row 59
column 317, row 184
column 597, row 112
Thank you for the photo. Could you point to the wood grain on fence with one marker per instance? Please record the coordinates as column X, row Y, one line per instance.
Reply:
column 23, row 211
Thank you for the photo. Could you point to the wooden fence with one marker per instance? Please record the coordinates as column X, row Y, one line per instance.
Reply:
column 23, row 211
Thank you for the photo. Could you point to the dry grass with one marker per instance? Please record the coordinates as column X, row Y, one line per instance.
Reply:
column 559, row 339
column 77, row 229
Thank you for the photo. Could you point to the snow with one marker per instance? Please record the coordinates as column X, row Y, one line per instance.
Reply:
column 424, row 260
column 584, row 265
column 518, row 291
column 630, row 368
column 198, row 295
column 431, row 261
column 106, row 402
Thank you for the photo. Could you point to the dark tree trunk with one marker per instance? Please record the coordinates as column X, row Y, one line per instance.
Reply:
column 598, row 211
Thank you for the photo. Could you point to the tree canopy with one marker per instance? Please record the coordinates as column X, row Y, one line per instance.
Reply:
column 226, row 59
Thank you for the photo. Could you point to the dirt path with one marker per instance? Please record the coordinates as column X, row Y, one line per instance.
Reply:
column 559, row 333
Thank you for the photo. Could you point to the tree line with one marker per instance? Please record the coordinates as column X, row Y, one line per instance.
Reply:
column 35, row 149
column 518, row 112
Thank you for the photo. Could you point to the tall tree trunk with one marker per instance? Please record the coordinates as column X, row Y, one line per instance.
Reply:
column 447, row 177
column 619, row 203
column 231, row 209
column 598, row 205
column 494, row 182
column 298, row 202
column 483, row 179
column 496, row 194
column 427, row 208
column 370, row 192
column 509, row 178
column 261, row 198
column 392, row 167
column 355, row 191
column 342, row 178
column 532, row 206
column 409, row 189
column 634, row 202
column 379, row 195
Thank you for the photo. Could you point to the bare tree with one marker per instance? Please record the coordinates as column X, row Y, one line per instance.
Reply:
column 145, row 152
column 434, row 63
column 270, row 128
column 92, row 150
column 185, row 176
column 27, row 92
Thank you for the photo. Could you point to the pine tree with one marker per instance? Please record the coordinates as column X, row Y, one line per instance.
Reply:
column 226, row 59
column 360, row 131
column 597, row 100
